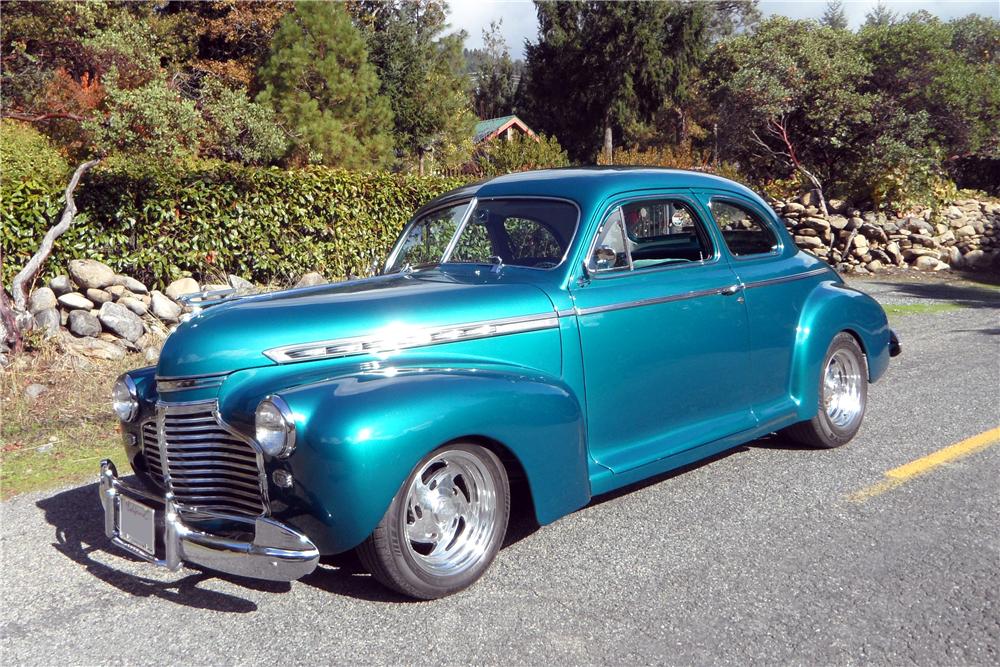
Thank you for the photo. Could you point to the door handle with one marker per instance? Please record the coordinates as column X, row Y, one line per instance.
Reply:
column 731, row 290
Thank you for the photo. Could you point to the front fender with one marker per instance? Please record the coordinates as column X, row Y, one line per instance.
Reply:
column 831, row 308
column 360, row 435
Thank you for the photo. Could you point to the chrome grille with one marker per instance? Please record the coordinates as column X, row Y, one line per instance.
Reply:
column 210, row 468
column 151, row 451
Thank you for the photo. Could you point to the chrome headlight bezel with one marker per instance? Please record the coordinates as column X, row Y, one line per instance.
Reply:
column 125, row 398
column 274, row 427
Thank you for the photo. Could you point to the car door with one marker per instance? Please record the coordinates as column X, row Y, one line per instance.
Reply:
column 664, row 334
column 777, row 280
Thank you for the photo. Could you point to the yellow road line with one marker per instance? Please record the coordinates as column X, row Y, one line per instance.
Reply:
column 906, row 472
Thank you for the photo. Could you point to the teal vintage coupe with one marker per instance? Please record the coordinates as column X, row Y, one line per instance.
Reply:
column 565, row 332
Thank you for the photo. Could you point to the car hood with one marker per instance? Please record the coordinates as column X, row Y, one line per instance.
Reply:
column 233, row 336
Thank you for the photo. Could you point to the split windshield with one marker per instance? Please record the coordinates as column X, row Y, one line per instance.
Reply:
column 533, row 233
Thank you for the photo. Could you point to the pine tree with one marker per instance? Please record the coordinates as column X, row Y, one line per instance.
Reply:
column 881, row 15
column 496, row 86
column 319, row 82
column 834, row 16
column 422, row 74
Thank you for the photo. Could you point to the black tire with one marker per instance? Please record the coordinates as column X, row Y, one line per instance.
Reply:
column 397, row 562
column 826, row 431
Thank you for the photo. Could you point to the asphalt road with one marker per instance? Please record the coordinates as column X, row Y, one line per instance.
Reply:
column 758, row 556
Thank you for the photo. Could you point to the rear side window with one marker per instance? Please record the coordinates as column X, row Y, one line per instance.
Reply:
column 744, row 231
column 663, row 231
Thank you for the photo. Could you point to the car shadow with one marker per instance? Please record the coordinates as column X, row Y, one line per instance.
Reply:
column 77, row 517
column 966, row 296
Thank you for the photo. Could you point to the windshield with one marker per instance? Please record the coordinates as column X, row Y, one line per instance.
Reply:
column 533, row 233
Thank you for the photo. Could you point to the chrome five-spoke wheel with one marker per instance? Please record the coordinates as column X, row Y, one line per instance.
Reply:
column 843, row 393
column 842, row 388
column 445, row 526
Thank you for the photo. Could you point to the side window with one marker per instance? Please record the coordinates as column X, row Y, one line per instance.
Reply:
column 664, row 231
column 745, row 233
column 531, row 242
column 611, row 249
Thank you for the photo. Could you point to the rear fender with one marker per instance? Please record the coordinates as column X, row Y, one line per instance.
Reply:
column 831, row 308
column 360, row 435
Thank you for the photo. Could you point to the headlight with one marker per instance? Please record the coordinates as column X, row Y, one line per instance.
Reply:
column 275, row 427
column 125, row 399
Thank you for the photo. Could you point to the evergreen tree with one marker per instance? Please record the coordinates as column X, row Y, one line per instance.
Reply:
column 834, row 16
column 422, row 74
column 881, row 15
column 319, row 82
column 496, row 82
column 601, row 70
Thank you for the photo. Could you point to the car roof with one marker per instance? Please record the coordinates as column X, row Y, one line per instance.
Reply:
column 589, row 186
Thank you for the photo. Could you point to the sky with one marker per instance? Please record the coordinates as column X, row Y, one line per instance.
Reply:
column 520, row 23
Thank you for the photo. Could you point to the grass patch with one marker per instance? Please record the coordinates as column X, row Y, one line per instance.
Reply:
column 901, row 310
column 61, row 436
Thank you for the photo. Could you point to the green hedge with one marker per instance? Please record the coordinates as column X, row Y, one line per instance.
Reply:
column 267, row 225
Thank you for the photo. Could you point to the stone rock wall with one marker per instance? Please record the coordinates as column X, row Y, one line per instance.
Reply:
column 962, row 235
column 94, row 312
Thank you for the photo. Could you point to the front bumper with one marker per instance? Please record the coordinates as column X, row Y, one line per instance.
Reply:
column 275, row 552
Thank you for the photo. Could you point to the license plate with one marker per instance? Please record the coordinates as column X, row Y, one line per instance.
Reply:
column 136, row 524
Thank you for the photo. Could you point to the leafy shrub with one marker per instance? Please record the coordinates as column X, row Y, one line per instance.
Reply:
column 27, row 153
column 521, row 154
column 268, row 225
column 673, row 157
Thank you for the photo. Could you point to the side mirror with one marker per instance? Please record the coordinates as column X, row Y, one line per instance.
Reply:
column 605, row 258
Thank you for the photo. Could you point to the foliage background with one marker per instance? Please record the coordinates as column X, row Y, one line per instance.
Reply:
column 265, row 224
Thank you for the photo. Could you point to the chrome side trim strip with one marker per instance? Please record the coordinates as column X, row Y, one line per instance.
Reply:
column 653, row 301
column 401, row 338
column 726, row 291
column 785, row 279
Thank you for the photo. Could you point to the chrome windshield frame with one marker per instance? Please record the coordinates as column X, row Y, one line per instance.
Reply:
column 472, row 203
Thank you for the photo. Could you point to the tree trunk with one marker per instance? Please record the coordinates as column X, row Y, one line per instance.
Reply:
column 609, row 146
column 14, row 315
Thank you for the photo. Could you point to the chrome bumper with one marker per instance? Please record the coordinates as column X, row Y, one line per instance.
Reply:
column 276, row 553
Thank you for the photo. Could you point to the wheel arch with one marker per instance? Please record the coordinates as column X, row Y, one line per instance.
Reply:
column 830, row 309
column 362, row 434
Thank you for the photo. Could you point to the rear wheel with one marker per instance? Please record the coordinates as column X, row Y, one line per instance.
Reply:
column 843, row 395
column 444, row 526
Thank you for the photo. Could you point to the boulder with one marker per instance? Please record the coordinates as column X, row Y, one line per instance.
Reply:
column 928, row 263
column 793, row 207
column 179, row 288
column 61, row 285
column 965, row 231
column 98, row 296
column 89, row 273
column 152, row 354
column 94, row 348
column 41, row 299
column 241, row 285
column 121, row 321
column 310, row 279
column 48, row 321
column 875, row 265
column 134, row 304
column 131, row 284
column 117, row 291
column 33, row 391
column 75, row 301
column 82, row 323
column 975, row 258
column 836, row 205
column 808, row 242
column 837, row 221
column 164, row 308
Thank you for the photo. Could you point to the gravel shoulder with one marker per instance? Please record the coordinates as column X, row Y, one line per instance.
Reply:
column 756, row 556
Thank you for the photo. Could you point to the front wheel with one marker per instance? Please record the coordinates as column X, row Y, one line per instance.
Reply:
column 843, row 395
column 444, row 526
